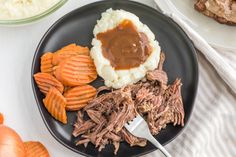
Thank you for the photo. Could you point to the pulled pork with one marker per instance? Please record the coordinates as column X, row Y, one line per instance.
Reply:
column 156, row 101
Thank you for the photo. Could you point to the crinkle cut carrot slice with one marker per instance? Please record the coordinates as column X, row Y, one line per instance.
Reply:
column 77, row 70
column 35, row 149
column 66, row 88
column 46, row 63
column 45, row 81
column 57, row 72
column 55, row 104
column 78, row 97
column 67, row 52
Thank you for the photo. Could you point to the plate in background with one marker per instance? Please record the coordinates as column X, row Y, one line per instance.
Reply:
column 218, row 35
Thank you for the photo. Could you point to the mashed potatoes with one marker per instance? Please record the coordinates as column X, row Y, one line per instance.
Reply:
column 18, row 9
column 119, row 78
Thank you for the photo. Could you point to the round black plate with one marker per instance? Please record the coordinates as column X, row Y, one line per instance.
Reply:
column 77, row 27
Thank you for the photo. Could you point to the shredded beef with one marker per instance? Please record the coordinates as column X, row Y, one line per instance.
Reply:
column 222, row 11
column 156, row 101
column 131, row 139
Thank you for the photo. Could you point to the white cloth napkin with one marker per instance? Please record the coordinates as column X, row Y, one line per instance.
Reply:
column 223, row 68
column 216, row 55
column 211, row 129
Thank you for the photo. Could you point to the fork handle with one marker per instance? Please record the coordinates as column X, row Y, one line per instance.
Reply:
column 159, row 146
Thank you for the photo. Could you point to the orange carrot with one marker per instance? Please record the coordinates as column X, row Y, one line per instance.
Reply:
column 46, row 63
column 67, row 52
column 78, row 97
column 57, row 71
column 55, row 104
column 77, row 70
column 45, row 81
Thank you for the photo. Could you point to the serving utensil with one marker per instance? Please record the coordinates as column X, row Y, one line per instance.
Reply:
column 138, row 127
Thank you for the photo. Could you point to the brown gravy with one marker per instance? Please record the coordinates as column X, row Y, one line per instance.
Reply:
column 124, row 46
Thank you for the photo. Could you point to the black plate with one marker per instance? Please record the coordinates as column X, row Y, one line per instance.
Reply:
column 77, row 27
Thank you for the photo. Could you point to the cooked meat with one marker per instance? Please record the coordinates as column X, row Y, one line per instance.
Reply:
column 82, row 128
column 96, row 116
column 113, row 136
column 85, row 141
column 223, row 11
column 117, row 146
column 158, row 74
column 132, row 140
column 103, row 88
column 156, row 101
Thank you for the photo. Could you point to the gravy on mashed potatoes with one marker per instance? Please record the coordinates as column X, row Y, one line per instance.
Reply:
column 124, row 49
column 124, row 46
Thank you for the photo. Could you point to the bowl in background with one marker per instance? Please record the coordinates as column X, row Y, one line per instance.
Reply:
column 31, row 19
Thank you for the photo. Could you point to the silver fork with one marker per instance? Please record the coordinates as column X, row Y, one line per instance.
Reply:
column 138, row 127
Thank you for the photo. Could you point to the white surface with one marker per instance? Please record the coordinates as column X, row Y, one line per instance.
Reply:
column 216, row 34
column 17, row 47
